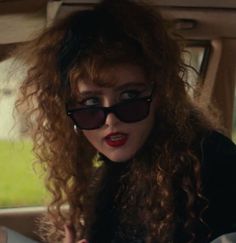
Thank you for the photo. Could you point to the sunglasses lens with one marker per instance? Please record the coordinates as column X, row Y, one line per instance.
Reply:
column 94, row 117
column 133, row 111
column 90, row 118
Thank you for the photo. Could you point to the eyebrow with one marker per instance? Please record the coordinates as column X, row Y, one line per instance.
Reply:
column 116, row 88
column 90, row 93
column 130, row 85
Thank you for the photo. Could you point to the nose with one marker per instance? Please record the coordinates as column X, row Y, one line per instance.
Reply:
column 111, row 120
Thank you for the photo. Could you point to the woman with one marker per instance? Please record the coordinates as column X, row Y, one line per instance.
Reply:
column 129, row 156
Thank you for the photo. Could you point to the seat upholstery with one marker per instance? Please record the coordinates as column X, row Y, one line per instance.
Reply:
column 10, row 236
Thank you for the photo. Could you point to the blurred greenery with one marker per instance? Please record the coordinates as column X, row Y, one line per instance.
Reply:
column 234, row 136
column 19, row 186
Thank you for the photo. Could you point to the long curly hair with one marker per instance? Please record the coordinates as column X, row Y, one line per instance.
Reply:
column 161, row 187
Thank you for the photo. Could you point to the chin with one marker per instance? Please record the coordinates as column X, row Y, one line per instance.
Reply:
column 119, row 159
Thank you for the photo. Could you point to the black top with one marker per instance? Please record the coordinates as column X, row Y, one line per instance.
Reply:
column 218, row 159
column 219, row 183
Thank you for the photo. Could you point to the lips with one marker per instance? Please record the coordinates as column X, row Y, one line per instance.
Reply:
column 116, row 139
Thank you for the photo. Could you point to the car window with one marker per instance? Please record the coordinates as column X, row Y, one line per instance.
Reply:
column 19, row 184
column 234, row 119
column 196, row 57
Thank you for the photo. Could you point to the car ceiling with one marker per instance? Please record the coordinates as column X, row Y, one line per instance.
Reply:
column 21, row 20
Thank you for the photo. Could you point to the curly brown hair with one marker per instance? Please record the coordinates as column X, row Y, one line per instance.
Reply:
column 161, row 188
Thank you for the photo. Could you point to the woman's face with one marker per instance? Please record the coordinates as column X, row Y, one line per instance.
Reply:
column 117, row 140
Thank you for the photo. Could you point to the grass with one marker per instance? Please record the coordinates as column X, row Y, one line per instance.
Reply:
column 20, row 186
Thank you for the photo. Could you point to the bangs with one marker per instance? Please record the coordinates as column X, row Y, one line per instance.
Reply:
column 95, row 41
column 95, row 68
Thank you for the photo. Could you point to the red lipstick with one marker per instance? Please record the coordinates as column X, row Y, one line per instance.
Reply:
column 116, row 139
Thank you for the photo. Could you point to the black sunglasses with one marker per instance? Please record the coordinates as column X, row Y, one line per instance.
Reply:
column 129, row 111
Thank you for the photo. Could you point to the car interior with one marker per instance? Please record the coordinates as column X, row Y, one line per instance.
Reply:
column 209, row 28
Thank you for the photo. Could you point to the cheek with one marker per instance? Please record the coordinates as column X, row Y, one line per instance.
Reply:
column 90, row 136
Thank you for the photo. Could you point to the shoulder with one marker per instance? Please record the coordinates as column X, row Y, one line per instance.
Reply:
column 215, row 143
column 218, row 151
column 218, row 159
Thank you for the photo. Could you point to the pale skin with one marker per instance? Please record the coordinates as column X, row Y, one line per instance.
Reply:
column 70, row 235
column 129, row 78
column 130, row 82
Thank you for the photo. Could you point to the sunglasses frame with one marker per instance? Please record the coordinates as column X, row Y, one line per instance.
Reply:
column 111, row 109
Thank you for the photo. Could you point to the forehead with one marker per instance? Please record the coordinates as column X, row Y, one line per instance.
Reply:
column 115, row 77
